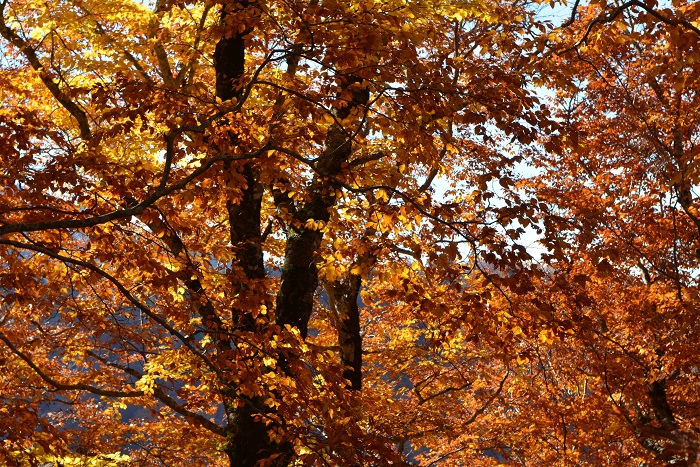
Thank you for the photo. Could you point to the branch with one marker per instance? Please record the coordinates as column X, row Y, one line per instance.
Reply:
column 363, row 160
column 132, row 211
column 135, row 302
column 129, row 56
column 186, row 74
column 673, row 22
column 165, row 399
column 422, row 400
column 31, row 56
column 61, row 386
column 158, row 49
column 616, row 12
column 205, row 422
column 571, row 20
column 486, row 404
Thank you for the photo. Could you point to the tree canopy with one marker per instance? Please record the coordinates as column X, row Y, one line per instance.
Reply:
column 321, row 232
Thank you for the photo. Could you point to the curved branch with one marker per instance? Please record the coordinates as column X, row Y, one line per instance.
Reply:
column 166, row 399
column 616, row 12
column 486, row 404
column 30, row 54
column 133, row 300
column 128, row 212
column 65, row 387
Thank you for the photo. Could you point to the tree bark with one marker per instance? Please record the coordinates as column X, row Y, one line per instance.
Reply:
column 343, row 298
column 299, row 272
column 247, row 440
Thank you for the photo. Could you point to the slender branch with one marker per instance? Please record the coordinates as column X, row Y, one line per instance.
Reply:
column 158, row 49
column 486, row 404
column 30, row 54
column 423, row 400
column 572, row 18
column 164, row 398
column 363, row 160
column 133, row 300
column 128, row 212
column 205, row 422
column 673, row 22
column 61, row 386
column 128, row 55
column 619, row 10
column 186, row 74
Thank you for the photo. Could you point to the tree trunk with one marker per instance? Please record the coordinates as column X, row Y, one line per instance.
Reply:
column 344, row 302
column 247, row 440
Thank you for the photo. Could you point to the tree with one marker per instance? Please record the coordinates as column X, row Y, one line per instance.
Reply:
column 621, row 227
column 180, row 178
column 290, row 233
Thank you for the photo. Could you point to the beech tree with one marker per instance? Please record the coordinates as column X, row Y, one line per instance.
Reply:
column 293, row 233
column 622, row 236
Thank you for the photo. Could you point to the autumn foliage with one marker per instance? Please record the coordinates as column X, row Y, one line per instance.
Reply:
column 365, row 233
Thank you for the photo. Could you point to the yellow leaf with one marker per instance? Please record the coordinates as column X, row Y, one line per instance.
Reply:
column 304, row 450
column 522, row 360
column 268, row 361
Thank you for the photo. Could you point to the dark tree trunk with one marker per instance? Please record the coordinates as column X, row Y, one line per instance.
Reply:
column 299, row 272
column 247, row 440
column 343, row 297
